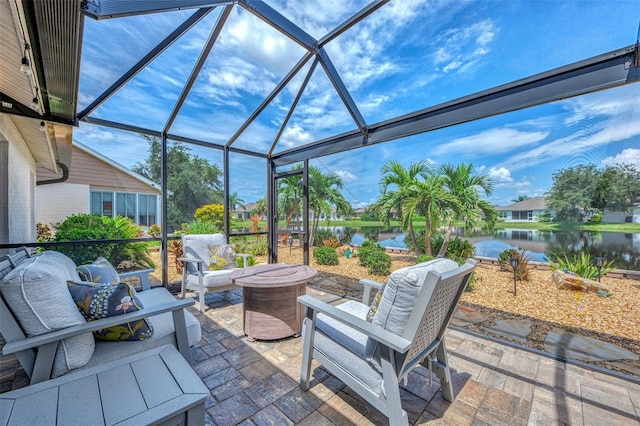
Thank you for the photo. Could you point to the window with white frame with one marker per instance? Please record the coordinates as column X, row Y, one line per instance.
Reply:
column 141, row 208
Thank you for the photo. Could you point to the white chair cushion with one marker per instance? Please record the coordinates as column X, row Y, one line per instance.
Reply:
column 210, row 278
column 36, row 292
column 198, row 246
column 398, row 301
column 399, row 296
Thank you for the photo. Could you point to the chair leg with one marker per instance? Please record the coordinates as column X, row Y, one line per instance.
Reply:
column 183, row 288
column 441, row 368
column 397, row 416
column 307, row 346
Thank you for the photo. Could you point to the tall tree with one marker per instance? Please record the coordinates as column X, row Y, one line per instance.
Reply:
column 324, row 193
column 290, row 196
column 572, row 192
column 467, row 189
column 235, row 201
column 425, row 196
column 395, row 178
column 261, row 207
column 617, row 188
column 191, row 180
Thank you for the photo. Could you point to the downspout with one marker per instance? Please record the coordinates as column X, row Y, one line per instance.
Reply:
column 65, row 176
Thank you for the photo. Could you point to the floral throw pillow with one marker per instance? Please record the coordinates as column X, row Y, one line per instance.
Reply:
column 222, row 257
column 100, row 271
column 373, row 308
column 96, row 300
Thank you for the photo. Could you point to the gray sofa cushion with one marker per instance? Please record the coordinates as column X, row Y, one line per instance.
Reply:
column 36, row 292
column 351, row 349
column 163, row 330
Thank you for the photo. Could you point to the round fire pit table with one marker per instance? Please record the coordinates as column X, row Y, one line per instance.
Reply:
column 270, row 309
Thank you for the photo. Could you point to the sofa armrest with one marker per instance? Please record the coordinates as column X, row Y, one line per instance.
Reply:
column 368, row 286
column 143, row 274
column 55, row 336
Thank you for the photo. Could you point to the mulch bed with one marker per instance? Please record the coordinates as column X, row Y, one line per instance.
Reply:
column 614, row 319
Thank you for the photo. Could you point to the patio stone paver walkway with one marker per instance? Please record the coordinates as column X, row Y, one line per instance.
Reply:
column 584, row 348
column 256, row 383
column 517, row 330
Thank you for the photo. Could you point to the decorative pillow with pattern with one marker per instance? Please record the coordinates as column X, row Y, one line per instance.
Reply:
column 100, row 271
column 96, row 300
column 373, row 308
column 222, row 257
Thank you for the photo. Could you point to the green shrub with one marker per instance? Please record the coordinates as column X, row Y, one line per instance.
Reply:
column 200, row 226
column 424, row 258
column 325, row 255
column 523, row 270
column 582, row 265
column 379, row 263
column 366, row 250
column 321, row 235
column 154, row 230
column 83, row 227
column 213, row 213
column 458, row 249
column 504, row 258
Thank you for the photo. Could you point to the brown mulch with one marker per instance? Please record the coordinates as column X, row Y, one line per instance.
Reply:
column 615, row 319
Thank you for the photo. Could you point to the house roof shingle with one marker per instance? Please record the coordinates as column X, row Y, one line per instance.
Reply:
column 535, row 203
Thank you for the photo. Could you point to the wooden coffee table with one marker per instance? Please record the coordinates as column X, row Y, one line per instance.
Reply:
column 270, row 309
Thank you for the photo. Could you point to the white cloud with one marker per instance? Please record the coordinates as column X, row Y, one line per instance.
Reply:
column 500, row 175
column 461, row 48
column 346, row 176
column 491, row 142
column 629, row 156
column 295, row 135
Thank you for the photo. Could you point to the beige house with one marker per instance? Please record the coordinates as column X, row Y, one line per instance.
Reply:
column 95, row 184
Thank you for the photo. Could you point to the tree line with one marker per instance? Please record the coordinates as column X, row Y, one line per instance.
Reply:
column 579, row 193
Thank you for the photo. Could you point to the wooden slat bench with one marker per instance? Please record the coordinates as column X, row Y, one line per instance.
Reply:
column 157, row 386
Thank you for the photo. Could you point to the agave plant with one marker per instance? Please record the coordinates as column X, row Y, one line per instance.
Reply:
column 582, row 265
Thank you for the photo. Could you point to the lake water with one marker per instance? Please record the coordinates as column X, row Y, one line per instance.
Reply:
column 623, row 249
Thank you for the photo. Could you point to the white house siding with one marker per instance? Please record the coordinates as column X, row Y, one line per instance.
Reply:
column 51, row 210
column 609, row 216
column 20, row 208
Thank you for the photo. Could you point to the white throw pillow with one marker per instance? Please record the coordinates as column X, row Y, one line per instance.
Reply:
column 36, row 292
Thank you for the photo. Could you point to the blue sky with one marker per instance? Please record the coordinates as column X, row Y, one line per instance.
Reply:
column 407, row 56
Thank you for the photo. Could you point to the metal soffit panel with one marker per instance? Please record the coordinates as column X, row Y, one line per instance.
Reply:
column 59, row 26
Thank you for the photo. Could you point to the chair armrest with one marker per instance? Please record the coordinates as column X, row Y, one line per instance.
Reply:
column 368, row 286
column 190, row 259
column 143, row 274
column 245, row 258
column 54, row 336
column 393, row 341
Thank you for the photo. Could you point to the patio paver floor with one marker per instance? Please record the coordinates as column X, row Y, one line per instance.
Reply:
column 256, row 383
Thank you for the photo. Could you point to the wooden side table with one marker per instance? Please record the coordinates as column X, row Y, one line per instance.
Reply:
column 270, row 309
column 151, row 387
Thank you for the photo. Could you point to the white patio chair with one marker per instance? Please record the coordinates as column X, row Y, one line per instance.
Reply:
column 196, row 275
column 407, row 330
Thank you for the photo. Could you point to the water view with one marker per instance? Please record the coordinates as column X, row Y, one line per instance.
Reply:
column 623, row 249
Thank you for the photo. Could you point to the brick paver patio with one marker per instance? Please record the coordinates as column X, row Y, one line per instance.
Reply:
column 256, row 383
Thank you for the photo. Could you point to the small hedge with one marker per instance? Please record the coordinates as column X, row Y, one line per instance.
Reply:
column 326, row 255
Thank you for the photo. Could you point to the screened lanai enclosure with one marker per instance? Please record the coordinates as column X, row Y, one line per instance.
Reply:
column 266, row 90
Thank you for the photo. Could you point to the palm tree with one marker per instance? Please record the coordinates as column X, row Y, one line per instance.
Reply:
column 324, row 193
column 235, row 201
column 261, row 207
column 521, row 198
column 466, row 188
column 425, row 196
column 396, row 178
column 290, row 196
